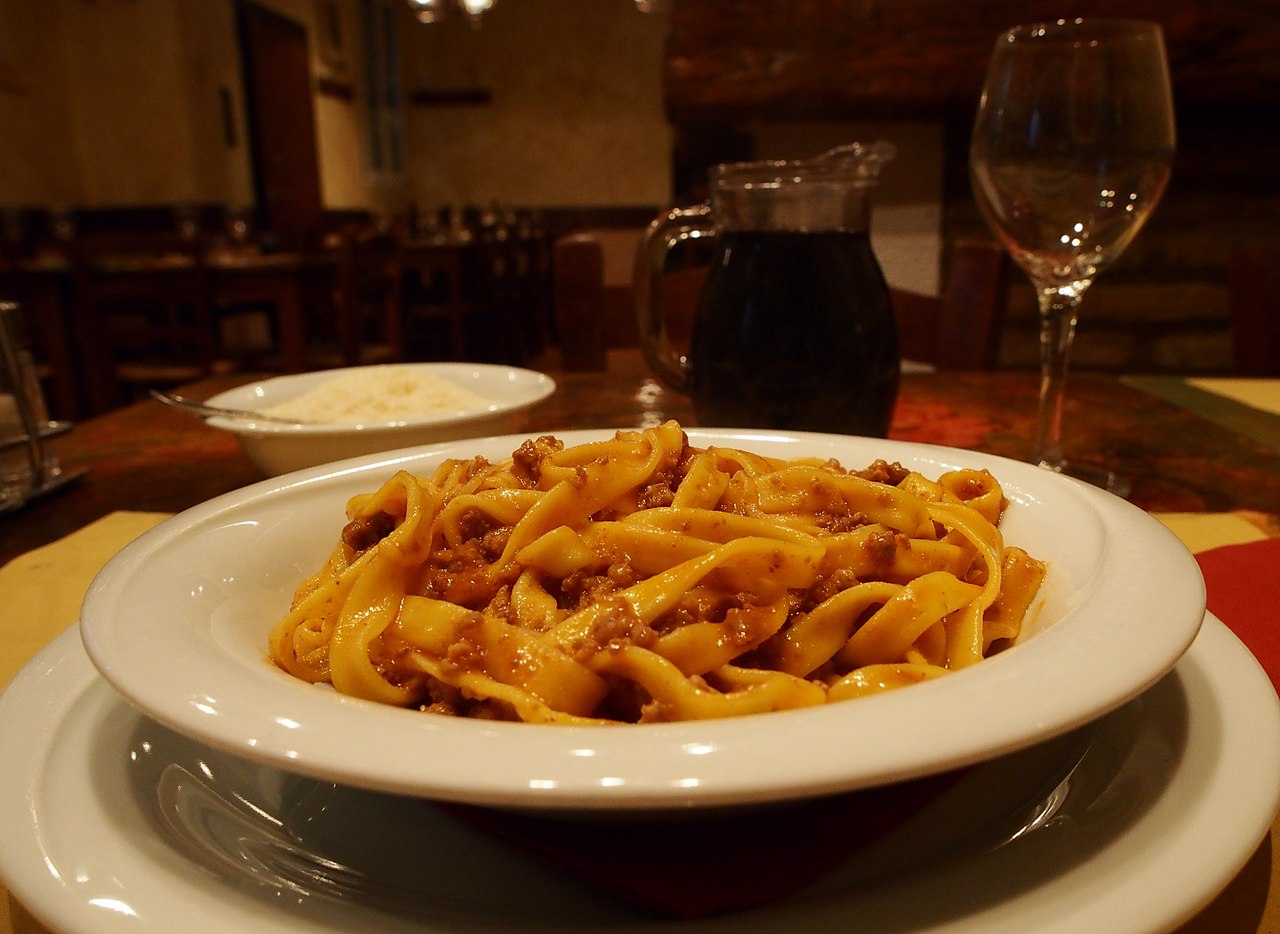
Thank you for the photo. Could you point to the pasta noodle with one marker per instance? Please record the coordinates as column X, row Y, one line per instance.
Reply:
column 641, row 579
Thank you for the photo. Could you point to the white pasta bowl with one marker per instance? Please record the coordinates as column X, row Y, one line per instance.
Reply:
column 178, row 623
column 502, row 396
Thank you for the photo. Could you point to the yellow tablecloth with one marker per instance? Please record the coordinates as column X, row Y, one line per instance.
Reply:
column 41, row 594
column 42, row 591
column 1246, row 407
column 1263, row 394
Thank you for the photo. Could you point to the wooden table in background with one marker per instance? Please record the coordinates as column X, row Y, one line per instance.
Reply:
column 284, row 284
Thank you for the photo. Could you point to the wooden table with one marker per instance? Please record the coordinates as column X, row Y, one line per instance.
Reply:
column 150, row 458
column 286, row 284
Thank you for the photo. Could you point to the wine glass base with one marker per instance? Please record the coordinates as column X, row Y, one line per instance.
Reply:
column 1108, row 480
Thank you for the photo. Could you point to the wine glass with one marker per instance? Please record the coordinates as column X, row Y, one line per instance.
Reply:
column 1072, row 148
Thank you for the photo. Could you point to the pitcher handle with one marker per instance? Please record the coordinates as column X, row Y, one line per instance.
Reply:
column 663, row 235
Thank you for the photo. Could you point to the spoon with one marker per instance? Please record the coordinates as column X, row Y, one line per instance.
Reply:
column 213, row 411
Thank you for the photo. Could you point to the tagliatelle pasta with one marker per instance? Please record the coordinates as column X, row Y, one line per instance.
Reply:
column 640, row 579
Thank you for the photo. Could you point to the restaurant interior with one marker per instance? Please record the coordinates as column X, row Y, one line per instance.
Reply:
column 200, row 194
column 331, row 141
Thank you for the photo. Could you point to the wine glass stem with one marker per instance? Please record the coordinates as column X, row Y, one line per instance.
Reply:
column 1059, row 309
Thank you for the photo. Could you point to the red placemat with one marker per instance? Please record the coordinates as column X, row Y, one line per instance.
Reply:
column 1243, row 585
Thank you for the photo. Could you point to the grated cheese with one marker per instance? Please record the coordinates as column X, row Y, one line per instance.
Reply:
column 379, row 394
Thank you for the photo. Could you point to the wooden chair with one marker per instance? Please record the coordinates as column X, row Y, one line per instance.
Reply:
column 507, row 286
column 578, row 296
column 530, row 291
column 369, row 296
column 141, row 315
column 959, row 329
column 436, row 305
column 1253, row 280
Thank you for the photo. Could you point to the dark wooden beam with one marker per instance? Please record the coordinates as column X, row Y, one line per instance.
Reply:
column 451, row 97
column 732, row 61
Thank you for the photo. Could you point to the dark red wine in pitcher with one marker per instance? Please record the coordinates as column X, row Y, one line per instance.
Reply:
column 795, row 330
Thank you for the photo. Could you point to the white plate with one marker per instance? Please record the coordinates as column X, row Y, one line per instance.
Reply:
column 178, row 622
column 280, row 448
column 114, row 824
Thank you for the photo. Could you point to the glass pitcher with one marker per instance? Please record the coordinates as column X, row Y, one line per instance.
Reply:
column 794, row 327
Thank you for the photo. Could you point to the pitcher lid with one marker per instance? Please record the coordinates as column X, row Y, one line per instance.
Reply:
column 853, row 164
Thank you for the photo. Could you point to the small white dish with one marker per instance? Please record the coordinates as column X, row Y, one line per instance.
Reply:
column 178, row 623
column 280, row 448
column 1170, row 798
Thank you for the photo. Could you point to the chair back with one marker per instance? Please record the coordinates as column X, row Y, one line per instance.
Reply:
column 961, row 328
column 578, row 291
column 370, row 295
column 1253, row 280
